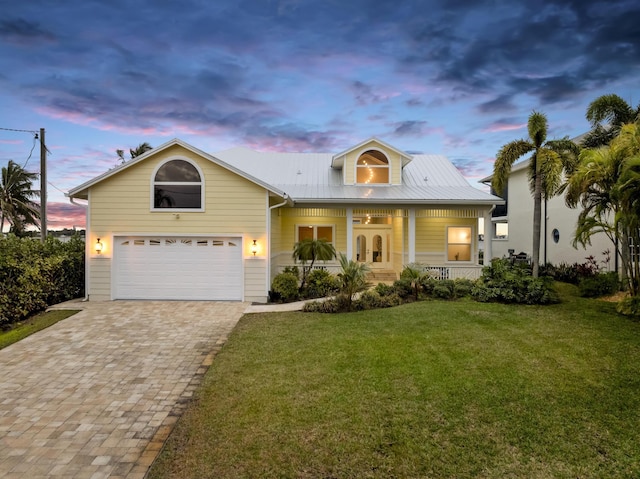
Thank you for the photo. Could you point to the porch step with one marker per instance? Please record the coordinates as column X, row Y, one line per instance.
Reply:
column 382, row 276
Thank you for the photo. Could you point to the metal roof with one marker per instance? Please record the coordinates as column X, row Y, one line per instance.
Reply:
column 309, row 178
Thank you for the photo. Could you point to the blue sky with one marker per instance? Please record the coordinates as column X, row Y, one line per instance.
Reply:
column 455, row 77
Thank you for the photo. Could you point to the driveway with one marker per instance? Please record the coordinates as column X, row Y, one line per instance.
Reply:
column 96, row 395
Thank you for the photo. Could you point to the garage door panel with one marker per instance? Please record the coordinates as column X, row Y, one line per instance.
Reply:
column 178, row 268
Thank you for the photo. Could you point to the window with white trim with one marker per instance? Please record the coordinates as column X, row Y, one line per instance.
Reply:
column 459, row 243
column 177, row 184
column 372, row 168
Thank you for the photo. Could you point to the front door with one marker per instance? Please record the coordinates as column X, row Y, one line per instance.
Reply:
column 372, row 244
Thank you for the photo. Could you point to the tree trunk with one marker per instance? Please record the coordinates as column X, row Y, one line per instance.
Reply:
column 537, row 210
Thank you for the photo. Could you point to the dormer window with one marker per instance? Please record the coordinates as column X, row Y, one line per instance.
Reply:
column 372, row 168
column 177, row 184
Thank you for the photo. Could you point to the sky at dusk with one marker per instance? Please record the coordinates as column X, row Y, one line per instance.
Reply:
column 453, row 77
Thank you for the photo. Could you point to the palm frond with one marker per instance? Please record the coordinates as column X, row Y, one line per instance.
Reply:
column 537, row 127
column 505, row 158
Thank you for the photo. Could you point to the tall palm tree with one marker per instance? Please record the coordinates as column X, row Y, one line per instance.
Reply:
column 141, row 149
column 606, row 184
column 546, row 165
column 16, row 198
column 615, row 112
column 312, row 250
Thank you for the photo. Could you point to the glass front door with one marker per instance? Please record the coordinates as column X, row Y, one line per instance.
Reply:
column 373, row 246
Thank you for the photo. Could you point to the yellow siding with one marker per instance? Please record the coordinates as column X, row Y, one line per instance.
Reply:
column 288, row 231
column 121, row 204
column 395, row 163
column 431, row 238
column 100, row 274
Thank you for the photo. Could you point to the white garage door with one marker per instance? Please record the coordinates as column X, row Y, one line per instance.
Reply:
column 178, row 267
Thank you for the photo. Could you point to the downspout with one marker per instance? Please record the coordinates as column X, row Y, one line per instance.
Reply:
column 287, row 200
column 86, row 248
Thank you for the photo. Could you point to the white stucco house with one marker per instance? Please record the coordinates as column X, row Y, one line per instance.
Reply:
column 511, row 226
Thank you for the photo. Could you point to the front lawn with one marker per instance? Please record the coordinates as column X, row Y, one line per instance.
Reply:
column 431, row 389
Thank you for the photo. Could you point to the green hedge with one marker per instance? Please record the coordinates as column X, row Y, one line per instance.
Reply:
column 35, row 275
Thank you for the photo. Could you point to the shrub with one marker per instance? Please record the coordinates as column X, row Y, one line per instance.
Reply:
column 328, row 306
column 512, row 283
column 35, row 275
column 321, row 283
column 462, row 287
column 285, row 285
column 385, row 289
column 629, row 306
column 371, row 299
column 403, row 288
column 442, row 291
column 602, row 284
column 294, row 270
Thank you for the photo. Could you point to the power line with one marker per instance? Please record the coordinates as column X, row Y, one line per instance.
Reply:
column 24, row 131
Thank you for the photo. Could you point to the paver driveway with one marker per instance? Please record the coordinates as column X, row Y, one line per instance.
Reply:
column 95, row 395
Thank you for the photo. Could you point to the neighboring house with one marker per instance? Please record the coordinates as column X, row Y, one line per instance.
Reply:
column 511, row 226
column 179, row 223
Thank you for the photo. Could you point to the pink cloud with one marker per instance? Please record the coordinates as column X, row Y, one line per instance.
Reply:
column 498, row 126
column 65, row 215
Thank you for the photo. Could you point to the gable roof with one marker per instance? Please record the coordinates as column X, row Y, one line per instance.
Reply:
column 337, row 161
column 81, row 191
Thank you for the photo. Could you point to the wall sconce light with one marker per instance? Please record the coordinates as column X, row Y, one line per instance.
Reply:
column 254, row 247
column 98, row 246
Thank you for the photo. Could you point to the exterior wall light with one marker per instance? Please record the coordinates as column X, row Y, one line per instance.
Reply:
column 98, row 246
column 254, row 247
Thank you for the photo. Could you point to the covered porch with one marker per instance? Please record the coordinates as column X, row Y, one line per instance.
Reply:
column 443, row 238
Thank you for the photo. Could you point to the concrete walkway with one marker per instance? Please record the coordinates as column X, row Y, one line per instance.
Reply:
column 96, row 395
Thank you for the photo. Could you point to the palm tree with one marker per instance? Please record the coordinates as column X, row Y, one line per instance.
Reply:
column 16, row 198
column 615, row 112
column 312, row 250
column 141, row 149
column 606, row 184
column 546, row 165
column 353, row 279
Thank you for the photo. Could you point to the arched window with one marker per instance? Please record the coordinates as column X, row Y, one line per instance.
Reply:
column 372, row 168
column 177, row 184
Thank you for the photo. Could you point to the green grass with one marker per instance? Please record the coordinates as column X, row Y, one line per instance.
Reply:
column 431, row 389
column 32, row 325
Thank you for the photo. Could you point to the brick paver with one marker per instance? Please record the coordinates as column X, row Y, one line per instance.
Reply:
column 96, row 395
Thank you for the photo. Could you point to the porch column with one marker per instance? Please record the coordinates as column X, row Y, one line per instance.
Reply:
column 412, row 235
column 488, row 237
column 349, row 234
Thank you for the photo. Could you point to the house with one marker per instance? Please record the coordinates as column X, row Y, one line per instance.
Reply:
column 511, row 226
column 179, row 223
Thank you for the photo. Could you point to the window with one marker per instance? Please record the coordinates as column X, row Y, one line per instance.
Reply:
column 315, row 232
column 177, row 184
column 459, row 243
column 372, row 168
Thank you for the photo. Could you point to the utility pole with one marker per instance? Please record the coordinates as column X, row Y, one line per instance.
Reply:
column 43, row 187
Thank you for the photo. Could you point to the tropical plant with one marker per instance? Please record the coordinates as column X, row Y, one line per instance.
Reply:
column 615, row 112
column 308, row 251
column 416, row 274
column 549, row 159
column 353, row 279
column 141, row 149
column 16, row 198
column 606, row 184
